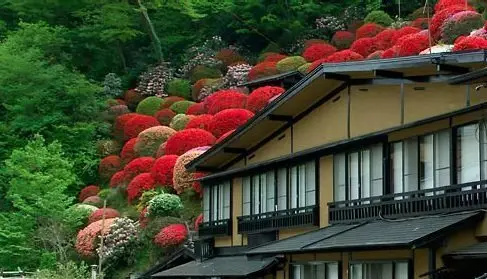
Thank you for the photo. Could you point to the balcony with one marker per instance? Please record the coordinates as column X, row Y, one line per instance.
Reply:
column 296, row 217
column 467, row 196
column 204, row 248
column 215, row 228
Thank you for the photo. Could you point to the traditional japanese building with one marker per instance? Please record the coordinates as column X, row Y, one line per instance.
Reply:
column 362, row 170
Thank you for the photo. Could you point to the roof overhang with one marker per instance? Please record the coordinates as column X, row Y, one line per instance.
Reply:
column 285, row 78
column 323, row 84
column 479, row 76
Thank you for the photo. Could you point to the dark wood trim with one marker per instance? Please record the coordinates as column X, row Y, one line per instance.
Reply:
column 335, row 76
column 282, row 118
column 451, row 68
column 234, row 150
column 388, row 74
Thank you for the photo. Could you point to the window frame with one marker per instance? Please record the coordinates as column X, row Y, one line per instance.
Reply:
column 408, row 261
column 214, row 190
column 276, row 174
column 317, row 262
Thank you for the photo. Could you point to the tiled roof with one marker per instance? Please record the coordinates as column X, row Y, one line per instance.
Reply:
column 478, row 250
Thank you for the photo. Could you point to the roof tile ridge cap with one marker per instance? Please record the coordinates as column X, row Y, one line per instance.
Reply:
column 352, row 227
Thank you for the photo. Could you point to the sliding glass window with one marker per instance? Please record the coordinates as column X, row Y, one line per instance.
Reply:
column 216, row 202
column 315, row 270
column 471, row 153
column 387, row 270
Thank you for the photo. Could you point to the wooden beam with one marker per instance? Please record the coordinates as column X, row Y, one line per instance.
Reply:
column 207, row 169
column 388, row 74
column 336, row 76
column 451, row 68
column 234, row 150
column 278, row 117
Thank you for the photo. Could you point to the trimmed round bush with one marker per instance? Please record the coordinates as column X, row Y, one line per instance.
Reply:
column 303, row 69
column 342, row 39
column 460, row 24
column 88, row 191
column 197, row 87
column 211, row 87
column 379, row 17
column 318, row 51
column 338, row 57
column 138, row 124
column 182, row 178
column 470, row 43
column 260, row 97
column 172, row 235
column 98, row 214
column 439, row 18
column 389, row 53
column 421, row 23
column 229, row 119
column 202, row 71
column 364, row 46
column 224, row 136
column 368, row 30
column 200, row 122
column 160, row 151
column 412, row 44
column 149, row 106
column 150, row 139
column 132, row 98
column 88, row 237
column 179, row 88
column 128, row 153
column 168, row 101
column 138, row 166
column 385, row 39
column 225, row 99
column 108, row 147
column 118, row 180
column 141, row 183
column 228, row 56
column 165, row 116
column 196, row 109
column 180, row 121
column 164, row 205
column 404, row 31
column 443, row 4
column 188, row 139
column 197, row 184
column 181, row 106
column 120, row 123
column 115, row 111
column 93, row 200
column 109, row 166
column 262, row 70
column 271, row 57
column 311, row 42
column 163, row 170
column 375, row 55
column 85, row 207
column 421, row 12
column 290, row 64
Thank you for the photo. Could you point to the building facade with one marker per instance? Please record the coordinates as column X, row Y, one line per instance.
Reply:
column 361, row 170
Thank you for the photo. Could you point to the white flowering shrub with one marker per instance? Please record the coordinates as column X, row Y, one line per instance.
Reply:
column 236, row 75
column 211, row 88
column 153, row 81
column 201, row 55
column 164, row 205
column 330, row 24
column 112, row 86
column 119, row 240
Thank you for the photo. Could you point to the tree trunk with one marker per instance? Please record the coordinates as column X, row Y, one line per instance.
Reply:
column 152, row 32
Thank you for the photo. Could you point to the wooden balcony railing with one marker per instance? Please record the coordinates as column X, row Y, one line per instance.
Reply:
column 472, row 195
column 204, row 248
column 215, row 228
column 295, row 217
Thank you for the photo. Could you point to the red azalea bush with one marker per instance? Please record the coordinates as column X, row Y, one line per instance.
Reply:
column 200, row 122
column 169, row 101
column 404, row 31
column 128, row 153
column 259, row 98
column 364, row 46
column 412, row 44
column 198, row 221
column 196, row 109
column 98, row 214
column 171, row 235
column 141, row 183
column 118, row 179
column 389, row 53
column 188, row 139
column 368, row 30
column 442, row 4
column 138, row 166
column 224, row 99
column 460, row 24
column 439, row 18
column 88, row 191
column 318, row 51
column 165, row 116
column 93, row 200
column 143, row 219
column 197, row 183
column 470, row 43
column 375, row 55
column 272, row 57
column 421, row 23
column 229, row 119
column 197, row 87
column 120, row 123
column 262, row 69
column 385, row 39
column 344, row 56
column 109, row 166
column 163, row 170
column 228, row 56
column 315, row 64
column 224, row 136
column 132, row 97
column 88, row 237
column 342, row 39
column 311, row 42
column 138, row 124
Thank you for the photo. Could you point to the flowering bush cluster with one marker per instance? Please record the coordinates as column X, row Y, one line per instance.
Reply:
column 329, row 24
column 342, row 39
column 318, row 51
column 112, row 86
column 461, row 23
column 202, row 71
column 132, row 97
column 88, row 191
column 369, row 30
column 271, row 57
column 262, row 69
column 229, row 56
column 108, row 147
column 168, row 101
column 364, row 46
column 196, row 109
column 87, row 238
column 229, row 119
column 200, row 122
column 150, row 139
column 179, row 88
column 188, row 139
column 439, row 18
column 93, row 200
column 164, row 116
column 171, row 235
column 470, row 43
column 98, row 214
column 141, row 183
column 182, row 178
column 138, row 124
column 154, row 80
column 120, row 123
column 109, row 166
column 210, row 87
column 379, row 17
column 412, row 44
column 163, row 170
column 122, row 234
column 180, row 121
column 259, row 98
column 117, row 180
column 138, row 166
column 181, row 106
column 225, row 99
column 149, row 106
column 236, row 75
column 165, row 205
column 290, row 64
column 128, row 153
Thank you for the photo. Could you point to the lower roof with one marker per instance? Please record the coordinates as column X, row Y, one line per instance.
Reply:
column 398, row 233
column 236, row 266
column 476, row 251
column 477, row 76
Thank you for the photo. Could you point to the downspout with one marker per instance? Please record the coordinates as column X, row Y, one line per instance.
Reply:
column 432, row 262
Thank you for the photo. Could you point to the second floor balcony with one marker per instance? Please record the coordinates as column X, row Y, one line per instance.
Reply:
column 454, row 198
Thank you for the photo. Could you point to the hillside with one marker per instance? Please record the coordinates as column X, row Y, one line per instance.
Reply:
column 96, row 148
